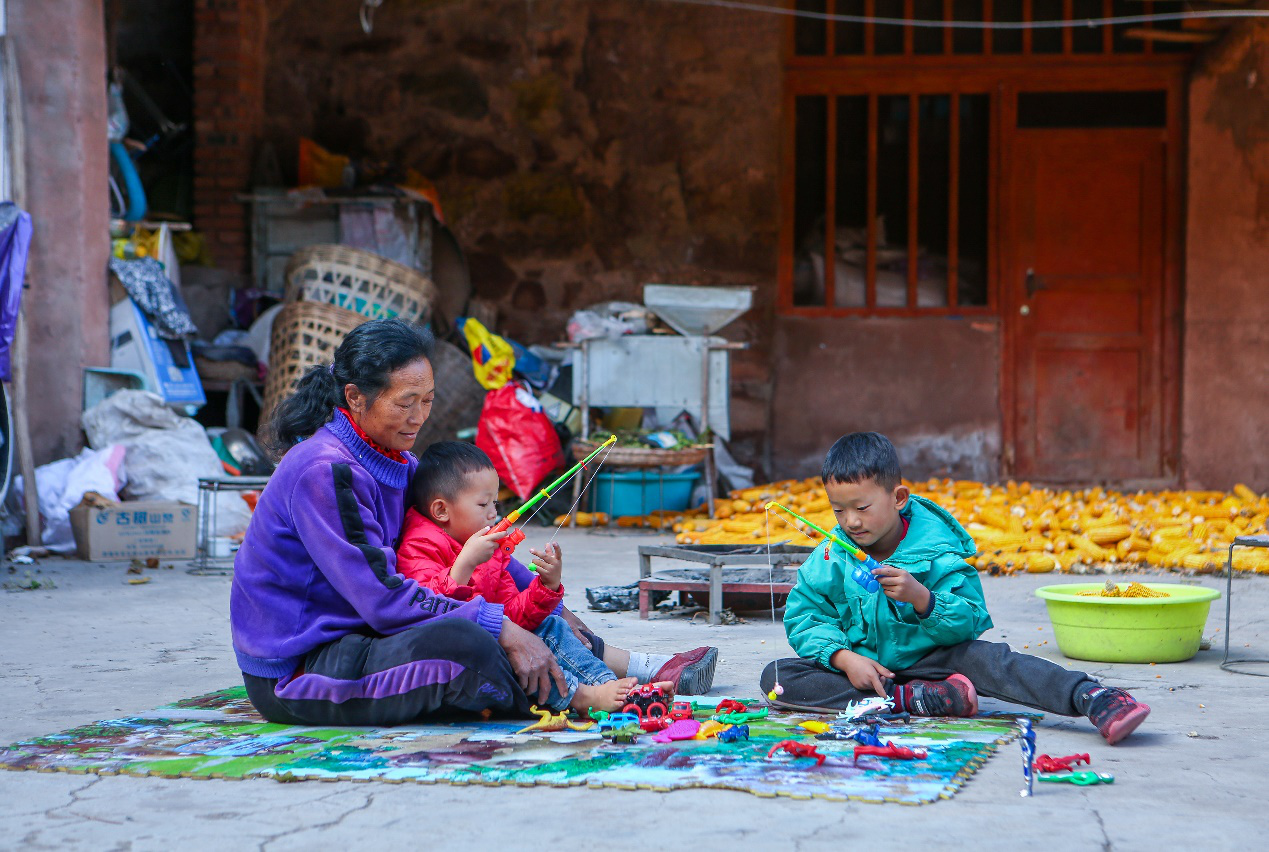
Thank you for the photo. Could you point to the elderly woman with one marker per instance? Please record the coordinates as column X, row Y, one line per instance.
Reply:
column 325, row 630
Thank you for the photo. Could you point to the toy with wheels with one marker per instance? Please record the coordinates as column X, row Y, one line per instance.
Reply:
column 646, row 701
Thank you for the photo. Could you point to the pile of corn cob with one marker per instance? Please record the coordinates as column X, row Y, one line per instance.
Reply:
column 1018, row 526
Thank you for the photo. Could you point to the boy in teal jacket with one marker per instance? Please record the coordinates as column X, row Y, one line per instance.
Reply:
column 916, row 638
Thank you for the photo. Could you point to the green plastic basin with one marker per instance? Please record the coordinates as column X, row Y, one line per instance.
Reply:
column 1128, row 630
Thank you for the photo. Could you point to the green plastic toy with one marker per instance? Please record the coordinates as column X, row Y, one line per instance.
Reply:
column 1082, row 779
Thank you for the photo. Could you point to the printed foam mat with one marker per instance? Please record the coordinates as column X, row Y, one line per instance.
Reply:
column 219, row 735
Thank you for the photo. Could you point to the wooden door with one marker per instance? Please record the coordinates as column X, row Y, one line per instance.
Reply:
column 1083, row 285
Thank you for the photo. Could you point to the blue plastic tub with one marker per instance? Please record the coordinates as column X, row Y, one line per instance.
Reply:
column 639, row 492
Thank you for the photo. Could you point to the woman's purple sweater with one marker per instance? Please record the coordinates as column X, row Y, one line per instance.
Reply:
column 319, row 558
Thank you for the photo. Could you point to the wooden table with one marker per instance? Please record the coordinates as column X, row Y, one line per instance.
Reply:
column 766, row 571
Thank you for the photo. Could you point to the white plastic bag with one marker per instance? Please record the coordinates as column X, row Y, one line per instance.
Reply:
column 63, row 483
column 166, row 454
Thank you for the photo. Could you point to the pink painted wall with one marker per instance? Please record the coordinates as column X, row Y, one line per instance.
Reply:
column 1225, row 384
column 62, row 62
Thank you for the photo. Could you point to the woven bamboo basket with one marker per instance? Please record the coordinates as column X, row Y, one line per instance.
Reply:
column 639, row 457
column 304, row 334
column 359, row 281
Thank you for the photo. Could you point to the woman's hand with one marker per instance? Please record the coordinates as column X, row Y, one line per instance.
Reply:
column 532, row 661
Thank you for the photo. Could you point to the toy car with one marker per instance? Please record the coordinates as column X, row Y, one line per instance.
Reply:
column 681, row 710
column 618, row 720
column 646, row 700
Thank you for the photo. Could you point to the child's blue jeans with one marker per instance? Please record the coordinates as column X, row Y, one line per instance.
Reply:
column 579, row 664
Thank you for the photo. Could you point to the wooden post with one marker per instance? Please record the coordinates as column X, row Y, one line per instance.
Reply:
column 16, row 154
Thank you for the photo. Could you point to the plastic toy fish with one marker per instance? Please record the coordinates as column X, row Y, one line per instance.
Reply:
column 710, row 728
column 815, row 727
column 682, row 729
column 1082, row 779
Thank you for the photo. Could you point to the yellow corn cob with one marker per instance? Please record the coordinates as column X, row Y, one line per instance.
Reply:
column 1110, row 534
column 1091, row 550
column 1242, row 492
column 1041, row 563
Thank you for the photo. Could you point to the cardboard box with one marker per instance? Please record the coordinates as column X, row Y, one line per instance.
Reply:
column 135, row 345
column 131, row 530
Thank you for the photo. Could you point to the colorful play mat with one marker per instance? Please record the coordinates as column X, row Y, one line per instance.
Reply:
column 219, row 735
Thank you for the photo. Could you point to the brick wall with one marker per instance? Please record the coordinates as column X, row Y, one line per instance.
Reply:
column 229, row 43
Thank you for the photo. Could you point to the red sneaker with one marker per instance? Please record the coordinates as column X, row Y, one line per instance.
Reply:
column 691, row 671
column 955, row 696
column 1115, row 713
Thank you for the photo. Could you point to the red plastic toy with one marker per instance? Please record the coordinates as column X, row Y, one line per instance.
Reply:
column 681, row 710
column 891, row 750
column 646, row 701
column 1044, row 763
column 798, row 749
column 729, row 705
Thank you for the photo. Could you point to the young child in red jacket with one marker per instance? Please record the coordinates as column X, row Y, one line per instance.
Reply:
column 447, row 546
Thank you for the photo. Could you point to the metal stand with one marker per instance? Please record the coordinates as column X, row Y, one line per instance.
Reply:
column 715, row 556
column 205, row 561
column 1227, row 664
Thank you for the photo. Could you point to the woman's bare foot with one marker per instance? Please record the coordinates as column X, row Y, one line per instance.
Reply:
column 610, row 696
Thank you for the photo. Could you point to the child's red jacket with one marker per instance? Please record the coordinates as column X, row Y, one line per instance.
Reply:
column 427, row 553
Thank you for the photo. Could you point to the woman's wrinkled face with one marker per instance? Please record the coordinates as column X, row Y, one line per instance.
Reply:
column 394, row 418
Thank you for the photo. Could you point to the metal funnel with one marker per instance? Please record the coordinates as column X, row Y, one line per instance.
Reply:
column 697, row 311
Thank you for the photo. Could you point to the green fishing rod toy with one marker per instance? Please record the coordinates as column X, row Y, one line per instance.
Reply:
column 861, row 572
column 516, row 536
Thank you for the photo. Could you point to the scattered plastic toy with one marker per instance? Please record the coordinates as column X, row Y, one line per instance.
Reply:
column 1082, row 779
column 652, row 724
column 815, row 727
column 596, row 715
column 1026, row 738
column 892, row 751
column 547, row 721
column 741, row 718
column 618, row 720
column 710, row 728
column 1044, row 763
column 733, row 733
column 681, row 711
column 681, row 729
column 797, row 749
column 646, row 700
column 866, row 707
column 730, row 705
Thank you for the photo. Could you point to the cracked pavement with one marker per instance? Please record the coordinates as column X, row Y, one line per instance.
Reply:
column 95, row 648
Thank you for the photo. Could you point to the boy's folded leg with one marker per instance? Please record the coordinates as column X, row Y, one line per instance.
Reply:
column 809, row 686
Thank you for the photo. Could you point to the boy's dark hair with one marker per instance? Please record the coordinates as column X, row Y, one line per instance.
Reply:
column 442, row 471
column 863, row 455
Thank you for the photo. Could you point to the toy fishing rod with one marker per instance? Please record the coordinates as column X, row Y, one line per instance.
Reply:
column 516, row 536
column 861, row 573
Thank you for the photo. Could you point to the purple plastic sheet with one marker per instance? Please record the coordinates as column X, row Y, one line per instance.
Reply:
column 15, row 243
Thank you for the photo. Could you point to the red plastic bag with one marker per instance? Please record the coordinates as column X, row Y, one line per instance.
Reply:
column 518, row 438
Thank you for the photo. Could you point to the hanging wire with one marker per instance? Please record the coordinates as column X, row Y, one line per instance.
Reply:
column 581, row 492
column 1153, row 17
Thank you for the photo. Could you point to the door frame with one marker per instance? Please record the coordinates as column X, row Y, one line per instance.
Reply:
column 1173, row 82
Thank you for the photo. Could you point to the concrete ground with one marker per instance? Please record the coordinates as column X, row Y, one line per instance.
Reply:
column 95, row 647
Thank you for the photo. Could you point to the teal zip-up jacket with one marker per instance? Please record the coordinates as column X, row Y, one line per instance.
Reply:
column 828, row 611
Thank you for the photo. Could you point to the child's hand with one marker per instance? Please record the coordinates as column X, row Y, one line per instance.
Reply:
column 863, row 672
column 550, row 565
column 478, row 550
column 899, row 585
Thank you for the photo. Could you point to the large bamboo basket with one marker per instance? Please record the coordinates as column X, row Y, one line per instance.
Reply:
column 304, row 334
column 639, row 457
column 359, row 281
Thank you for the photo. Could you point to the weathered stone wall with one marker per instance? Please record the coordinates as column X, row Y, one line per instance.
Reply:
column 1225, row 420
column 581, row 147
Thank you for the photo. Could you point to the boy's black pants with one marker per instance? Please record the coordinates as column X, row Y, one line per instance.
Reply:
column 995, row 670
column 445, row 666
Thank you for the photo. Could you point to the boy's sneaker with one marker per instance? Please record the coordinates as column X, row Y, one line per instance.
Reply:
column 952, row 697
column 1115, row 713
column 692, row 672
